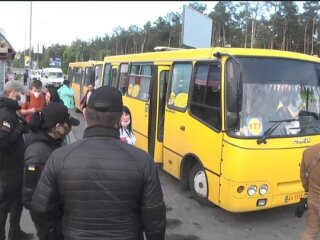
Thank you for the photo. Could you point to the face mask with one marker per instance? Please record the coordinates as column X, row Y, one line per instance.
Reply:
column 36, row 94
column 125, row 124
column 22, row 99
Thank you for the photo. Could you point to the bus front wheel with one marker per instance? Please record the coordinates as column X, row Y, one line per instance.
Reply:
column 198, row 184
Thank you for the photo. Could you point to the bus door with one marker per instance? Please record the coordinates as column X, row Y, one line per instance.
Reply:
column 156, row 137
column 176, row 126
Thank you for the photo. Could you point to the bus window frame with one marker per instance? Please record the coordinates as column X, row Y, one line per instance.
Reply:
column 151, row 64
column 196, row 64
column 170, row 106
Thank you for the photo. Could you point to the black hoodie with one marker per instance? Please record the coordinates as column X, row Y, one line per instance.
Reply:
column 11, row 137
column 39, row 147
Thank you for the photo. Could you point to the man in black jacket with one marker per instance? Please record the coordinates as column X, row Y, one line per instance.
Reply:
column 11, row 161
column 106, row 189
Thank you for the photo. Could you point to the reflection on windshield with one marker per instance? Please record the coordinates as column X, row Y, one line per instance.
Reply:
column 289, row 97
column 55, row 75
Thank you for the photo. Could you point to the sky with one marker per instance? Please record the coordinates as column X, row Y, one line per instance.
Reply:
column 65, row 21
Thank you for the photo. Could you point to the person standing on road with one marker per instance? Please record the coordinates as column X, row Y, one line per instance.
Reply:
column 25, row 78
column 48, row 128
column 66, row 94
column 309, row 174
column 84, row 101
column 126, row 133
column 35, row 100
column 125, row 197
column 12, row 149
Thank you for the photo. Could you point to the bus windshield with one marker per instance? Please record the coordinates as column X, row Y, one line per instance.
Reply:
column 277, row 89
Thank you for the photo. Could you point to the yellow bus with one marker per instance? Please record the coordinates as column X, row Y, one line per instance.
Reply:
column 231, row 124
column 80, row 74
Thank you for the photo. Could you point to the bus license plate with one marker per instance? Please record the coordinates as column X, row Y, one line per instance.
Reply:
column 293, row 197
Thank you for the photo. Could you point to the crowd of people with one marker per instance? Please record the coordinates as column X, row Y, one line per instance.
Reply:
column 52, row 179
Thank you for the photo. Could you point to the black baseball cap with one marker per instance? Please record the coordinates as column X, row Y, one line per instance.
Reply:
column 106, row 99
column 55, row 113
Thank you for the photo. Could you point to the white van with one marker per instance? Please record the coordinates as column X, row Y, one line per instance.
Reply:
column 52, row 76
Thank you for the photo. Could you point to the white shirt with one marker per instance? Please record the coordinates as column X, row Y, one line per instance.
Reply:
column 127, row 137
column 88, row 96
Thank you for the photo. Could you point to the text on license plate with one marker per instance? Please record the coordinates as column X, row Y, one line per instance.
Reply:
column 293, row 197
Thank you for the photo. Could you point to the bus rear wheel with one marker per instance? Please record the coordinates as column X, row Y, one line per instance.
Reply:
column 198, row 184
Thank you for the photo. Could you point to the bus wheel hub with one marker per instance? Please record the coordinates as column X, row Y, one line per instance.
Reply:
column 200, row 184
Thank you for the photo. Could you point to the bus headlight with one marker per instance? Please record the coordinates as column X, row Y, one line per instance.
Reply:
column 263, row 189
column 252, row 190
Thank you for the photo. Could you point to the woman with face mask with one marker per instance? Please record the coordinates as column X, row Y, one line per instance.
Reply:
column 48, row 129
column 126, row 133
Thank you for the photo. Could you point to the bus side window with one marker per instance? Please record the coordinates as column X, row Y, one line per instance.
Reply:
column 139, row 81
column 205, row 101
column 179, row 85
column 124, row 78
column 107, row 75
column 114, row 77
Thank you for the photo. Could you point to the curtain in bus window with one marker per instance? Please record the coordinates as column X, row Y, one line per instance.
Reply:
column 144, row 88
column 107, row 74
column 180, row 85
column 124, row 79
column 78, row 77
column 98, row 72
column 134, row 86
column 114, row 77
column 146, row 70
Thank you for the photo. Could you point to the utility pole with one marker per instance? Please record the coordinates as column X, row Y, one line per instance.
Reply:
column 30, row 59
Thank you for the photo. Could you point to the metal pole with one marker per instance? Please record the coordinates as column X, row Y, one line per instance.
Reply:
column 30, row 59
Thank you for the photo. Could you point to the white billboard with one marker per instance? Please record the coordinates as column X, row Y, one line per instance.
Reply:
column 196, row 28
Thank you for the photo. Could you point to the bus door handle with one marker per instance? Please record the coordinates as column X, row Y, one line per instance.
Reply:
column 182, row 128
column 146, row 108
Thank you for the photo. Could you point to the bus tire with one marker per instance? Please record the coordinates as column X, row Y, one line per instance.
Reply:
column 198, row 184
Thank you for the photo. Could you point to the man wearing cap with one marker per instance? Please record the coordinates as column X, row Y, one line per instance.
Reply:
column 11, row 161
column 48, row 128
column 108, row 189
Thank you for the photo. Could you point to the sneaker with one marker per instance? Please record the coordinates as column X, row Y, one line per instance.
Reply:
column 21, row 235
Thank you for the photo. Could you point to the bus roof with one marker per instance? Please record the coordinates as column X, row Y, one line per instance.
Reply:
column 207, row 53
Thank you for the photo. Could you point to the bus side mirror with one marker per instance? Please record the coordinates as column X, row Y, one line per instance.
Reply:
column 232, row 121
column 234, row 87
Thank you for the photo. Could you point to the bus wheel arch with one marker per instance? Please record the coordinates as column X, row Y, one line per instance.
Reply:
column 193, row 177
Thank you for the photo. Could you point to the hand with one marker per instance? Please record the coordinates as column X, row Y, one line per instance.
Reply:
column 32, row 110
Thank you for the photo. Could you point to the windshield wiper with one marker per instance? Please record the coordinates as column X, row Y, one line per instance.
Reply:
column 271, row 129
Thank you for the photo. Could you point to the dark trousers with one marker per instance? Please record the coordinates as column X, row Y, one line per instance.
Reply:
column 54, row 233
column 25, row 81
column 10, row 202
